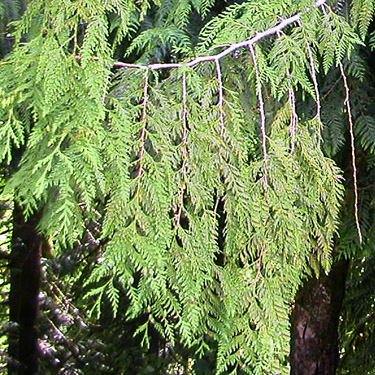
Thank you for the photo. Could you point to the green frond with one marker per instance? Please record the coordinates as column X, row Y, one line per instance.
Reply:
column 361, row 14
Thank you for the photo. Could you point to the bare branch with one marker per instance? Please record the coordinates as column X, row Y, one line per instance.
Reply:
column 355, row 187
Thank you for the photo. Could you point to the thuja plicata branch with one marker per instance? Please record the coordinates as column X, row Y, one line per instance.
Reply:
column 216, row 58
column 315, row 81
column 259, row 261
column 142, row 133
column 355, row 186
column 220, row 99
column 292, row 105
column 232, row 47
column 293, row 114
column 261, row 110
column 105, row 90
column 184, row 115
column 183, row 151
column 293, row 118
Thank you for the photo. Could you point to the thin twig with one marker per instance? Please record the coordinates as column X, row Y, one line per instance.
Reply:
column 259, row 261
column 216, row 203
column 75, row 40
column 313, row 69
column 219, row 46
column 184, row 114
column 142, row 133
column 293, row 118
column 331, row 89
column 314, row 79
column 94, row 58
column 355, row 187
column 220, row 101
column 180, row 207
column 183, row 150
column 105, row 89
column 261, row 110
column 292, row 105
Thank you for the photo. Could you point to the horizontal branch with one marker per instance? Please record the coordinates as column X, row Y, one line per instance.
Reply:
column 233, row 47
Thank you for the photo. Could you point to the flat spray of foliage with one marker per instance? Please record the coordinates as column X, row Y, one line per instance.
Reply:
column 170, row 150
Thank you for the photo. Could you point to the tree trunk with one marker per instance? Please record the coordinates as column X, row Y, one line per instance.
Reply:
column 25, row 271
column 314, row 323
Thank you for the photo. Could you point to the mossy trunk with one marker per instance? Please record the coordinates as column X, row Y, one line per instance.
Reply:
column 314, row 323
column 25, row 272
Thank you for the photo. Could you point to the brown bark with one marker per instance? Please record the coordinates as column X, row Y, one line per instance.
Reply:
column 314, row 323
column 25, row 271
